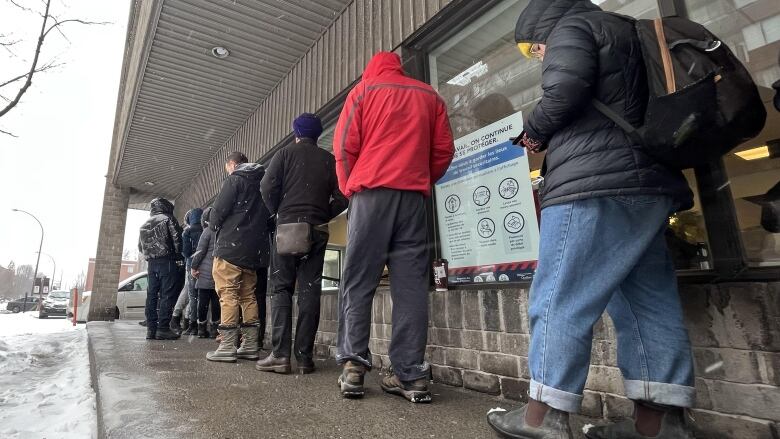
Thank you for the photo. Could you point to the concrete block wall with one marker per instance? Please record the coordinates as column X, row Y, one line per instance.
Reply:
column 108, row 258
column 479, row 340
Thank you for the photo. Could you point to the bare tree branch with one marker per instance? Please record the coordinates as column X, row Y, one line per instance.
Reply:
column 8, row 134
column 34, row 65
column 44, row 32
column 24, row 75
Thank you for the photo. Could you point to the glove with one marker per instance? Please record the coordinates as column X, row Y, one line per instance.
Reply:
column 532, row 145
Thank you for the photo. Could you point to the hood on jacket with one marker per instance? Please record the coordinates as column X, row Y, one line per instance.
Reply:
column 383, row 63
column 540, row 17
column 204, row 219
column 161, row 206
column 250, row 171
column 193, row 216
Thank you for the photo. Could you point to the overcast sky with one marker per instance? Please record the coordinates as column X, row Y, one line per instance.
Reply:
column 55, row 168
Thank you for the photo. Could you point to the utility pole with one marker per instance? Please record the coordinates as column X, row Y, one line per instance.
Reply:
column 38, row 260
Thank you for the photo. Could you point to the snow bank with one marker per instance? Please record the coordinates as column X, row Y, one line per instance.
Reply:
column 45, row 387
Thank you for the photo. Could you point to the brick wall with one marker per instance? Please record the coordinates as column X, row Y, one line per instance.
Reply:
column 479, row 340
column 109, row 253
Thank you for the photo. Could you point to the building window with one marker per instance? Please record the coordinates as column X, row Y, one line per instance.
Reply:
column 752, row 31
column 331, row 270
column 487, row 85
column 130, row 269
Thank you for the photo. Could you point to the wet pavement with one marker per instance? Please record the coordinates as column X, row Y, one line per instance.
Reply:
column 159, row 389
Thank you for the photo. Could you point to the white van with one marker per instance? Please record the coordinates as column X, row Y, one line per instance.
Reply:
column 130, row 300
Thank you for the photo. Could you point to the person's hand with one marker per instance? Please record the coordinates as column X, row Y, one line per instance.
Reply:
column 195, row 273
column 532, row 145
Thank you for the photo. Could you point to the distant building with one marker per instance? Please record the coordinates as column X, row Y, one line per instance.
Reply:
column 128, row 269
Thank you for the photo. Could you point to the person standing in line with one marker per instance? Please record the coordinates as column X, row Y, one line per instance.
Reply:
column 160, row 243
column 605, row 209
column 300, row 187
column 392, row 143
column 190, row 239
column 261, row 290
column 239, row 222
column 202, row 264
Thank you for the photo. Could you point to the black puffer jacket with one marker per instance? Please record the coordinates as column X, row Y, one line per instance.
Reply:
column 591, row 54
column 239, row 219
column 160, row 235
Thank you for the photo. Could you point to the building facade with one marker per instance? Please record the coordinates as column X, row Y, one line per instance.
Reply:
column 181, row 111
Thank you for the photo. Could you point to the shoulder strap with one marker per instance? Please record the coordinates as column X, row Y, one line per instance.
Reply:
column 618, row 119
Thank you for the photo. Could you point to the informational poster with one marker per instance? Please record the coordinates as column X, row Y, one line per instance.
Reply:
column 486, row 212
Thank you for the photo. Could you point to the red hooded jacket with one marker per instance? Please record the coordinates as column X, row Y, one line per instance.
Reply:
column 393, row 132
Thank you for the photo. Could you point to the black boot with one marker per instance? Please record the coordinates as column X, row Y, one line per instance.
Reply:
column 555, row 424
column 167, row 334
column 213, row 332
column 192, row 329
column 202, row 331
column 176, row 323
column 151, row 333
column 142, row 323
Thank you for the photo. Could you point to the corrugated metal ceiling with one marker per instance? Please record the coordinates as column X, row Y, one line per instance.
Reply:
column 190, row 102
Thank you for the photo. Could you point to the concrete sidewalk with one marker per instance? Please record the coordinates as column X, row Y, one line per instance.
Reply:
column 167, row 389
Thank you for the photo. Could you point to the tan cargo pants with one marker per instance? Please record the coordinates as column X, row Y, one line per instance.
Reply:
column 235, row 288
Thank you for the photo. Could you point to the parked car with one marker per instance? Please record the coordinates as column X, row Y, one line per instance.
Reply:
column 20, row 304
column 130, row 300
column 55, row 304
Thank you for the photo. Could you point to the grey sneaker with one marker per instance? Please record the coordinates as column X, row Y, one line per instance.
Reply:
column 512, row 424
column 226, row 352
column 673, row 426
column 248, row 349
column 351, row 380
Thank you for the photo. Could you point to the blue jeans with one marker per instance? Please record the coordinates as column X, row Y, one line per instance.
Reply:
column 608, row 254
column 165, row 282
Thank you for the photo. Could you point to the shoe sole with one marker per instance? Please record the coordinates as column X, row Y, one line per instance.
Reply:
column 415, row 396
column 508, row 435
column 284, row 370
column 351, row 391
column 253, row 357
column 306, row 370
column 223, row 359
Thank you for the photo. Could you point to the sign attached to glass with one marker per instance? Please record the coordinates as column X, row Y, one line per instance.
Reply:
column 486, row 211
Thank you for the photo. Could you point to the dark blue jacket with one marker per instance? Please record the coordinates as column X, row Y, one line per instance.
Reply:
column 191, row 233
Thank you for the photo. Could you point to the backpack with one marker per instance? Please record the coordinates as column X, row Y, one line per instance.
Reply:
column 702, row 101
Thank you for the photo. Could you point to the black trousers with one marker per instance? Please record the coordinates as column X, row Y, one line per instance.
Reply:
column 208, row 296
column 306, row 272
column 261, row 294
column 386, row 227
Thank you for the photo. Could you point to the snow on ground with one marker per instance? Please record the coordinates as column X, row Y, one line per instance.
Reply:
column 45, row 386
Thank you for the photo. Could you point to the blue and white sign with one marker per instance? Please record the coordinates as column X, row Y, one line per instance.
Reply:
column 486, row 212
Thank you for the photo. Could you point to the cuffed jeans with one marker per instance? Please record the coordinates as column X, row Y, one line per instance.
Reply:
column 608, row 254
column 386, row 227
column 165, row 280
column 306, row 272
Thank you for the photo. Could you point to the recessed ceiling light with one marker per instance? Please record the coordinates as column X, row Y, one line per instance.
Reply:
column 149, row 183
column 220, row 52
column 761, row 152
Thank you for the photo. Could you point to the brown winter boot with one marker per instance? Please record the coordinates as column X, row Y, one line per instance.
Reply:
column 415, row 391
column 351, row 380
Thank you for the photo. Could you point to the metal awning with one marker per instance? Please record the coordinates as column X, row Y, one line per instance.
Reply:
column 179, row 103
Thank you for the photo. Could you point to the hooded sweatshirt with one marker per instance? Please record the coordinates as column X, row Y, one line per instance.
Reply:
column 393, row 132
column 239, row 219
column 160, row 235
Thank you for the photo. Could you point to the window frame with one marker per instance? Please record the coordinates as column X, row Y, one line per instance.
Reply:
column 729, row 261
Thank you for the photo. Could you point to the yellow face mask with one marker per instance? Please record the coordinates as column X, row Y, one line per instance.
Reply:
column 525, row 49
